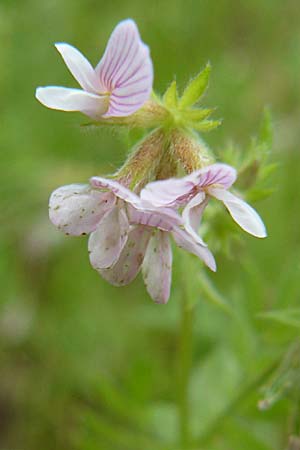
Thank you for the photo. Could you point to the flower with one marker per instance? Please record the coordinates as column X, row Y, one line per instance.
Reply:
column 125, row 234
column 193, row 191
column 119, row 85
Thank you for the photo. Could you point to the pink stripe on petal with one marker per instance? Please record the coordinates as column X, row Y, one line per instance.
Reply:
column 218, row 173
column 126, row 61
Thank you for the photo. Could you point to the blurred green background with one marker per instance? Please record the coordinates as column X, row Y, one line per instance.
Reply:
column 87, row 366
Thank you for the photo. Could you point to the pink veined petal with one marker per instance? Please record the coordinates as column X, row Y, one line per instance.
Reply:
column 76, row 209
column 149, row 219
column 157, row 267
column 186, row 241
column 161, row 218
column 130, row 260
column 219, row 174
column 65, row 99
column 178, row 191
column 126, row 70
column 242, row 213
column 192, row 214
column 118, row 189
column 80, row 68
column 169, row 193
column 107, row 242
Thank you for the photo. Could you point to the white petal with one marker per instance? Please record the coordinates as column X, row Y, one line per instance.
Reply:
column 126, row 70
column 172, row 192
column 157, row 267
column 65, row 99
column 129, row 263
column 192, row 214
column 107, row 242
column 178, row 191
column 162, row 218
column 243, row 214
column 80, row 68
column 187, row 242
column 76, row 209
column 117, row 188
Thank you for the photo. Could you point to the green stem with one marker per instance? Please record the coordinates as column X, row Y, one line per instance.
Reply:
column 185, row 360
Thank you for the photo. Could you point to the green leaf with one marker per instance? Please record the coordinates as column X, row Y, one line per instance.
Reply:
column 290, row 317
column 170, row 97
column 195, row 88
column 197, row 115
column 207, row 125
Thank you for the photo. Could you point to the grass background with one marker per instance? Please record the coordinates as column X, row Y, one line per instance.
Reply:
column 82, row 364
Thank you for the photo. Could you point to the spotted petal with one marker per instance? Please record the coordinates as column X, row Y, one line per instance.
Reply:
column 157, row 267
column 76, row 209
column 126, row 70
column 242, row 213
column 80, row 68
column 66, row 99
column 130, row 260
column 107, row 242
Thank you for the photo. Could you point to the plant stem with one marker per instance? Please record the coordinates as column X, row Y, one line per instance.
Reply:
column 185, row 360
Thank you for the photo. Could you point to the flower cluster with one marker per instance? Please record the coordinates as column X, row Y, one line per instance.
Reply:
column 132, row 215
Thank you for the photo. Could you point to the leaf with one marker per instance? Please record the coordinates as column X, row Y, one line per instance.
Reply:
column 170, row 97
column 196, row 88
column 290, row 317
column 207, row 125
column 197, row 115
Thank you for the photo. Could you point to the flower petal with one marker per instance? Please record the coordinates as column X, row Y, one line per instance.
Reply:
column 80, row 68
column 192, row 214
column 162, row 218
column 65, row 99
column 242, row 213
column 157, row 267
column 107, row 242
column 129, row 263
column 220, row 174
column 76, row 209
column 187, row 242
column 118, row 189
column 172, row 192
column 126, row 70
column 178, row 191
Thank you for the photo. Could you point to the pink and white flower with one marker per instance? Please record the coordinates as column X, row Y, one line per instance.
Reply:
column 119, row 85
column 193, row 191
column 125, row 235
